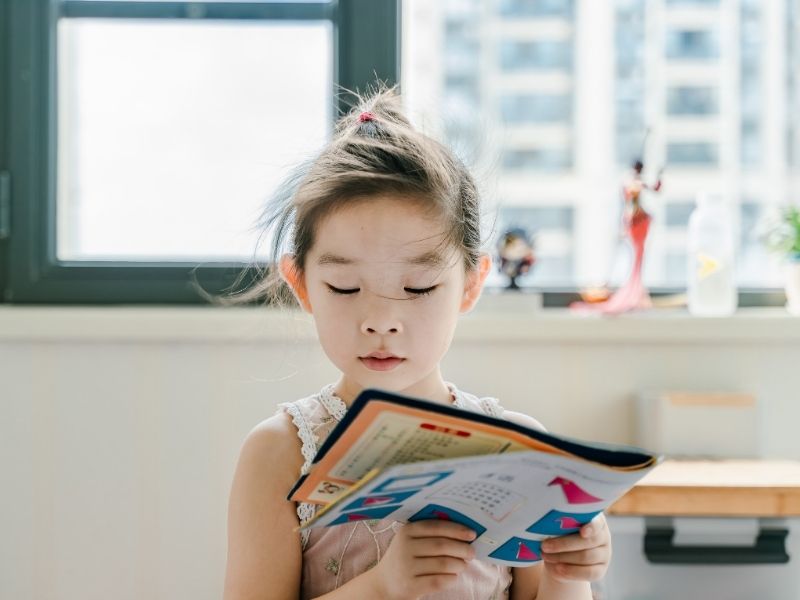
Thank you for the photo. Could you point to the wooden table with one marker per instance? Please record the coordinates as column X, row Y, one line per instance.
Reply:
column 718, row 488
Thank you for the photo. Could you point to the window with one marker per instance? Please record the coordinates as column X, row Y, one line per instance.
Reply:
column 146, row 135
column 536, row 108
column 537, row 159
column 687, row 100
column 569, row 94
column 692, row 45
column 692, row 153
column 536, row 8
column 535, row 55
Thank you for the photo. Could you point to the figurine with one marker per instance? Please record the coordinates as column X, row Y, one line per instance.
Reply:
column 515, row 251
column 636, row 223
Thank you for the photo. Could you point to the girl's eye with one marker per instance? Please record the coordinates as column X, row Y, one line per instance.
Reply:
column 335, row 290
column 420, row 291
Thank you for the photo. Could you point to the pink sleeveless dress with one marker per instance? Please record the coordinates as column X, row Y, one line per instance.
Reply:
column 334, row 555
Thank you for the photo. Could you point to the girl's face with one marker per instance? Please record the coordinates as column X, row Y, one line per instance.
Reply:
column 385, row 294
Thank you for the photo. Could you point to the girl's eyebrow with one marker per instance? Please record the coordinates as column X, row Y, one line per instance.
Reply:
column 428, row 259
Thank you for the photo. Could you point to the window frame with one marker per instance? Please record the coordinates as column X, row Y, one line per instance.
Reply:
column 365, row 46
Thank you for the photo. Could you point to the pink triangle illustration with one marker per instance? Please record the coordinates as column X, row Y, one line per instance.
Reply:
column 525, row 553
column 568, row 522
column 574, row 493
column 357, row 517
column 377, row 500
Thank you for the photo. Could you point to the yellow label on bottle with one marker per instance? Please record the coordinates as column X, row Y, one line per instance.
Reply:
column 706, row 265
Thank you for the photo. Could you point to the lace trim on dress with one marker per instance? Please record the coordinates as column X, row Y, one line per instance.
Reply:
column 492, row 407
column 307, row 436
column 305, row 510
column 332, row 403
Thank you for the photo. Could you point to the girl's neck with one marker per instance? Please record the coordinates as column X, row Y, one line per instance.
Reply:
column 432, row 388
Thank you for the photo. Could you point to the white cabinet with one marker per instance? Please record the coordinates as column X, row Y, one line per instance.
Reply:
column 664, row 558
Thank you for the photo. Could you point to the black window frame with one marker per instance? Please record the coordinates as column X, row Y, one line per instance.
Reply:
column 365, row 48
column 367, row 36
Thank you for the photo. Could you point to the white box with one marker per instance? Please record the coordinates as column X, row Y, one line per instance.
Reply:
column 698, row 424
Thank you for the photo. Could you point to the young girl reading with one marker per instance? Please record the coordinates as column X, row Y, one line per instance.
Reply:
column 384, row 252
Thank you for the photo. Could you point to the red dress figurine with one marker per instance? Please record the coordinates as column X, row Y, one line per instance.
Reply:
column 636, row 220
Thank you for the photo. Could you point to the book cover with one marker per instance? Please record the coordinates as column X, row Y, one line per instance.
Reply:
column 407, row 459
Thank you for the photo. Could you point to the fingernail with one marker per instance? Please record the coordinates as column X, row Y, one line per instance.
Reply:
column 587, row 531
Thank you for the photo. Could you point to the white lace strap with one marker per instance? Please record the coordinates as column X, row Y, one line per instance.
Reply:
column 307, row 436
column 305, row 510
column 491, row 406
column 332, row 403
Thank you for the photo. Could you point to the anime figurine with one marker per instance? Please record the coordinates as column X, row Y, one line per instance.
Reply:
column 633, row 294
column 515, row 250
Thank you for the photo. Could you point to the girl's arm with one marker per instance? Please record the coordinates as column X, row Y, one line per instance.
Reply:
column 264, row 552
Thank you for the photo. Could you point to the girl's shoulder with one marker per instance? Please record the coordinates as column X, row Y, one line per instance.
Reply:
column 275, row 437
column 492, row 407
column 523, row 419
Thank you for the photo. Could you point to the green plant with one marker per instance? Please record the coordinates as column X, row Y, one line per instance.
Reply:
column 782, row 232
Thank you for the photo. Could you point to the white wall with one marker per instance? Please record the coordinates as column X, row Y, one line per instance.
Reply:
column 120, row 428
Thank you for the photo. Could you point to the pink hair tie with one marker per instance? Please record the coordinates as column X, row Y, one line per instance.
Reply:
column 366, row 116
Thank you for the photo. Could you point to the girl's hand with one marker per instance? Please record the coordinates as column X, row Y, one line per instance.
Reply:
column 423, row 557
column 582, row 556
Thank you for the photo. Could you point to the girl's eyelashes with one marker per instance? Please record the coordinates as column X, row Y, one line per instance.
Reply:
column 414, row 291
column 335, row 290
column 420, row 291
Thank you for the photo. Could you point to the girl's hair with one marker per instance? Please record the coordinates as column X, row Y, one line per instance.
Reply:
column 374, row 150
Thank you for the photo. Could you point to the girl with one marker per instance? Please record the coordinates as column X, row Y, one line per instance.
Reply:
column 385, row 255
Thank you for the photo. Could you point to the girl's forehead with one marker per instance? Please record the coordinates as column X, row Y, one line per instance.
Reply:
column 378, row 228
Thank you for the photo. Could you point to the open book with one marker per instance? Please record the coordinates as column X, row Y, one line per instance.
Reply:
column 407, row 459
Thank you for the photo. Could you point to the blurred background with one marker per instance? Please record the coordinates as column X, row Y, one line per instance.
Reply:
column 139, row 141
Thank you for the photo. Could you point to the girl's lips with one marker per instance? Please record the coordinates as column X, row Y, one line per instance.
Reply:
column 380, row 364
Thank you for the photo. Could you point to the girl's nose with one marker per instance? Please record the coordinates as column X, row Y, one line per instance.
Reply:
column 381, row 323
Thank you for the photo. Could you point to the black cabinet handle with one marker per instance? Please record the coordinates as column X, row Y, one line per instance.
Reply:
column 769, row 548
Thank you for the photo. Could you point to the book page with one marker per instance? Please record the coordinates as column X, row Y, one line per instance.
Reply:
column 386, row 434
column 512, row 501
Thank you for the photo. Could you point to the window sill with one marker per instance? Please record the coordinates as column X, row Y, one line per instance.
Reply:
column 253, row 324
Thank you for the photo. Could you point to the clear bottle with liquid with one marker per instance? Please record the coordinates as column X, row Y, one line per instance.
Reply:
column 711, row 287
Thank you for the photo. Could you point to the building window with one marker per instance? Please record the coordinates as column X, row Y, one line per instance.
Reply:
column 536, row 108
column 685, row 100
column 692, row 44
column 535, row 55
column 537, row 159
column 536, row 8
column 692, row 153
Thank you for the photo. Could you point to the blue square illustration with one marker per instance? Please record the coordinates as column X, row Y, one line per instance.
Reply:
column 410, row 482
column 519, row 550
column 561, row 523
column 435, row 511
column 374, row 501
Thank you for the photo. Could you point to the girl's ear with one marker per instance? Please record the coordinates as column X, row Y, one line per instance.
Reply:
column 474, row 283
column 292, row 275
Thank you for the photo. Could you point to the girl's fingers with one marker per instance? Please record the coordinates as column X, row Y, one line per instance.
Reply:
column 426, row 547
column 435, row 565
column 594, row 533
column 594, row 528
column 591, row 556
column 439, row 528
column 578, row 572
column 567, row 543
